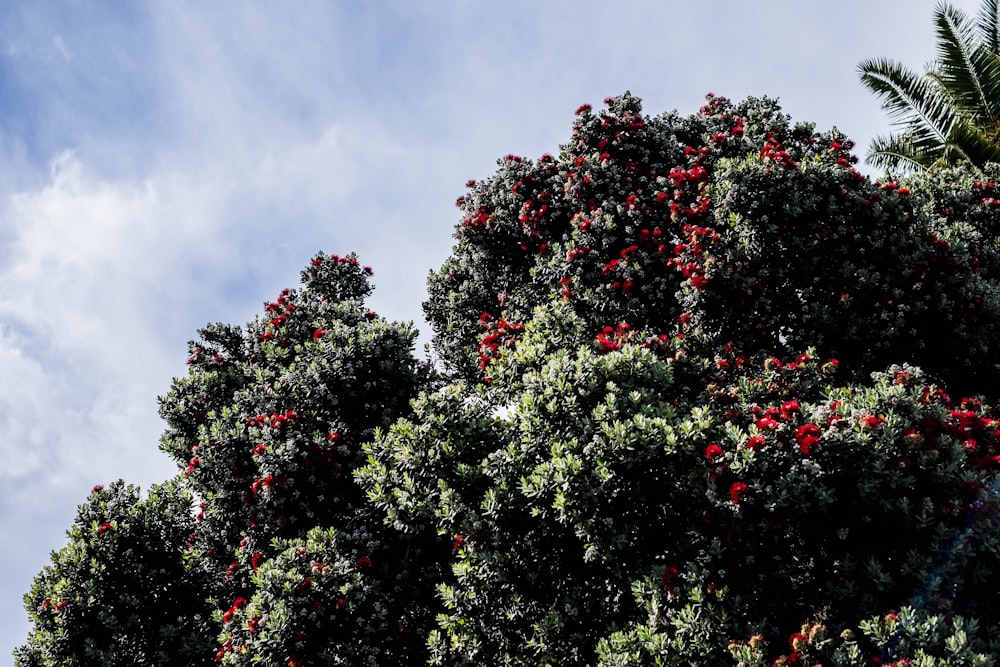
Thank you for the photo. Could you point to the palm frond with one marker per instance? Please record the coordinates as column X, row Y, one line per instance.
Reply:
column 897, row 154
column 976, row 147
column 988, row 22
column 916, row 105
column 950, row 114
column 966, row 68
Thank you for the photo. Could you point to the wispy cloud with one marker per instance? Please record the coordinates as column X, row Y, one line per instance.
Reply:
column 57, row 41
column 89, row 288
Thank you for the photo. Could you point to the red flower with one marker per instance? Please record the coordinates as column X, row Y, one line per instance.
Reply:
column 606, row 343
column 671, row 573
column 103, row 528
column 699, row 282
column 319, row 333
column 264, row 483
column 767, row 424
column 713, row 452
column 755, row 442
column 256, row 560
column 737, row 490
column 363, row 564
column 806, row 430
column 238, row 604
column 253, row 624
column 871, row 421
column 807, row 444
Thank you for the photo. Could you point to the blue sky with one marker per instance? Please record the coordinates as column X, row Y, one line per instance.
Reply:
column 168, row 164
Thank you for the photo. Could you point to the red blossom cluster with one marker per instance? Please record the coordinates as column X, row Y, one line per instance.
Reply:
column 611, row 338
column 773, row 150
column 499, row 334
column 737, row 490
column 237, row 604
column 276, row 420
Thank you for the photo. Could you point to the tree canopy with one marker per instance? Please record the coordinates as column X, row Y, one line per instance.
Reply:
column 705, row 395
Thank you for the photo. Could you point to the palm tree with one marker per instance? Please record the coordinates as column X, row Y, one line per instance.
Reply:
column 950, row 115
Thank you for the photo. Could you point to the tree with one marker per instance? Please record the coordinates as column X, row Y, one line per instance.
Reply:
column 951, row 114
column 266, row 431
column 707, row 396
column 267, row 427
column 120, row 592
column 736, row 226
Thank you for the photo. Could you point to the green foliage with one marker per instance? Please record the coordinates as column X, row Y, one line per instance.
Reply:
column 323, row 600
column 121, row 592
column 268, row 426
column 610, row 496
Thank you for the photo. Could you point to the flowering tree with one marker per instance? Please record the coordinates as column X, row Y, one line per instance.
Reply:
column 287, row 553
column 709, row 396
column 267, row 427
column 734, row 226
column 120, row 592
column 641, row 505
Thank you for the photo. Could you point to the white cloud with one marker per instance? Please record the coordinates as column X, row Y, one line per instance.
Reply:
column 96, row 277
column 61, row 48
column 22, row 400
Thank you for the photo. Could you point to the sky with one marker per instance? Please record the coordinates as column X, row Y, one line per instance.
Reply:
column 164, row 165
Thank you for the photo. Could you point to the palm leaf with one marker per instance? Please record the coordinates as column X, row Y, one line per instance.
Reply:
column 988, row 22
column 951, row 113
column 966, row 68
column 897, row 153
column 974, row 145
column 916, row 105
